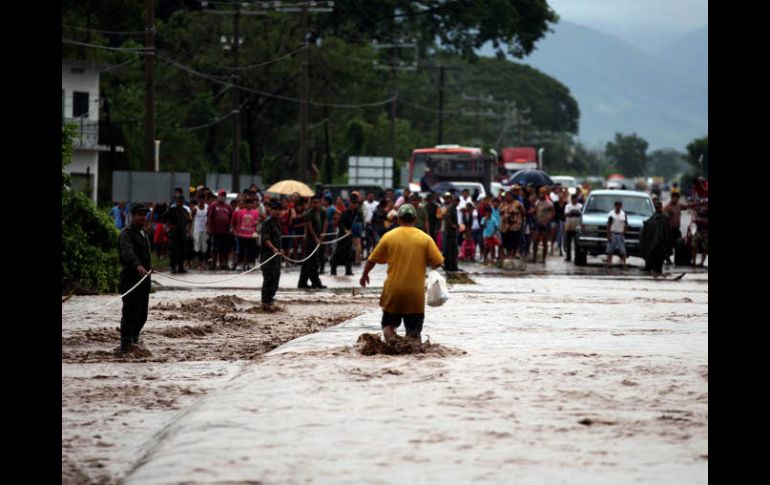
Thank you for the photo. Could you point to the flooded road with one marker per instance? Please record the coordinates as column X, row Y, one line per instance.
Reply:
column 548, row 378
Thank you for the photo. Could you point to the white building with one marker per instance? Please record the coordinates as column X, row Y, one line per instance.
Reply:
column 80, row 106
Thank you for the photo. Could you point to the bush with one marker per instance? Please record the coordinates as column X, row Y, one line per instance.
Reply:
column 89, row 244
column 89, row 237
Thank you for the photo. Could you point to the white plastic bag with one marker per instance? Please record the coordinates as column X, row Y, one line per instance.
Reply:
column 438, row 292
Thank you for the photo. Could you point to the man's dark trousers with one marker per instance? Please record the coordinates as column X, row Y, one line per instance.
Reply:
column 135, row 306
column 177, row 241
column 271, row 274
column 310, row 267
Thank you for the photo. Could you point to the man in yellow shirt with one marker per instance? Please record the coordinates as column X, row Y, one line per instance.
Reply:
column 407, row 251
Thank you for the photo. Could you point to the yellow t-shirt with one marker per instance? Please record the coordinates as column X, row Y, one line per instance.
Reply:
column 407, row 251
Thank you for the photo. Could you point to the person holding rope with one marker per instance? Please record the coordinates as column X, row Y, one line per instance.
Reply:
column 137, row 263
column 271, row 246
column 344, row 252
column 313, row 227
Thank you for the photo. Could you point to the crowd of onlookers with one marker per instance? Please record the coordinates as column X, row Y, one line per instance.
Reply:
column 205, row 230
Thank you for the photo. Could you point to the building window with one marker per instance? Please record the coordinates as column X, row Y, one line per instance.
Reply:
column 79, row 104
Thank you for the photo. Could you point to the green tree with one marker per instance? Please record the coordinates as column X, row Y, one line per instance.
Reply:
column 462, row 26
column 194, row 92
column 628, row 154
column 668, row 164
column 695, row 150
column 89, row 237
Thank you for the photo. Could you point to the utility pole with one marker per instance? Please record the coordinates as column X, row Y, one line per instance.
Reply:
column 329, row 163
column 478, row 113
column 236, row 104
column 394, row 95
column 441, row 105
column 395, row 65
column 149, row 90
column 234, row 44
column 303, row 108
column 278, row 6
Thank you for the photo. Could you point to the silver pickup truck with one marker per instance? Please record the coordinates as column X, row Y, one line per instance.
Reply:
column 592, row 230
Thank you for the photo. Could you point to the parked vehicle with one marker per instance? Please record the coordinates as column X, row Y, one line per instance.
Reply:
column 591, row 237
column 566, row 181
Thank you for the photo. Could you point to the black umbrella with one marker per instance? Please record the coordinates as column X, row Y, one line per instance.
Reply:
column 442, row 187
column 538, row 178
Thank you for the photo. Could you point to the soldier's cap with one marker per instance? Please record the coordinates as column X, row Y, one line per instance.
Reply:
column 139, row 209
column 406, row 209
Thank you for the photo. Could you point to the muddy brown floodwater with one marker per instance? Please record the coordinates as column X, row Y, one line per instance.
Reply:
column 193, row 342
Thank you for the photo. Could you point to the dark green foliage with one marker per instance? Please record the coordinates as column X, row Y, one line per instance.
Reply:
column 628, row 154
column 89, row 237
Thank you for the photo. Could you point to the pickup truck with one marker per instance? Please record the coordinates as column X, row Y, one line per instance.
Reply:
column 592, row 230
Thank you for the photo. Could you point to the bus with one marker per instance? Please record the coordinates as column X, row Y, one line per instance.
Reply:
column 452, row 162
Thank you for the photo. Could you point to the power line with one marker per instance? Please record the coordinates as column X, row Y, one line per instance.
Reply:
column 270, row 95
column 131, row 32
column 216, row 120
column 430, row 110
column 135, row 50
column 277, row 59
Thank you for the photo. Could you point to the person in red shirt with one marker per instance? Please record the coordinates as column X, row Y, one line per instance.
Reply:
column 219, row 216
column 245, row 224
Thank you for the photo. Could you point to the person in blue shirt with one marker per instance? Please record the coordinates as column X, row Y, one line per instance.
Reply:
column 117, row 215
column 490, row 226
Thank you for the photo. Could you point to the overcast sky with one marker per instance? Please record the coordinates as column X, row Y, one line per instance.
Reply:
column 649, row 22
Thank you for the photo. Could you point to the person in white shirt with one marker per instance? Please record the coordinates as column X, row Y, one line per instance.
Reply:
column 572, row 213
column 465, row 198
column 617, row 224
column 200, row 237
column 370, row 205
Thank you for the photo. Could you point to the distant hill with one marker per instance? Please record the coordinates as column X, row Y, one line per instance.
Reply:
column 689, row 54
column 619, row 88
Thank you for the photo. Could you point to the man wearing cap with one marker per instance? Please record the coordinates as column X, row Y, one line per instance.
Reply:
column 407, row 251
column 343, row 255
column 422, row 216
column 270, row 246
column 449, row 238
column 220, row 214
column 136, row 262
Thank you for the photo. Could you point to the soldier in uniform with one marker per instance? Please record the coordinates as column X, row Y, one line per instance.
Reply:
column 433, row 222
column 270, row 245
column 136, row 262
column 313, row 227
column 344, row 253
column 178, row 218
column 449, row 237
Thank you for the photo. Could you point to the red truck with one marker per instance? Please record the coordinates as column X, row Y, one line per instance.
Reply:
column 513, row 159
